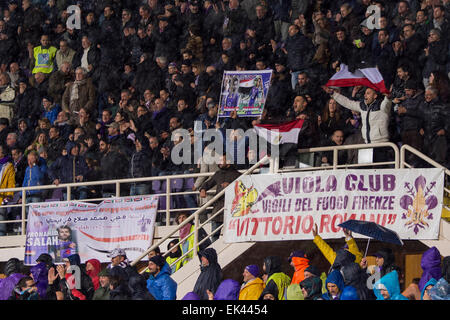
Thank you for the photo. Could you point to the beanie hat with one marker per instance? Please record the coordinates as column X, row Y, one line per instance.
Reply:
column 158, row 260
column 253, row 269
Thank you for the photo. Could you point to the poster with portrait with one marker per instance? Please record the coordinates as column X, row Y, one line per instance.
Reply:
column 244, row 92
column 90, row 230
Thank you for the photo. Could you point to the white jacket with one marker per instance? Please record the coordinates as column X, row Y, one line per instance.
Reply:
column 375, row 117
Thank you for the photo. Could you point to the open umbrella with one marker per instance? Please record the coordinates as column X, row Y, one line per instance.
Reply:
column 372, row 230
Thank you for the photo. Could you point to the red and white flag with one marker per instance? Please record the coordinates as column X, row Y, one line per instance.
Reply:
column 280, row 133
column 369, row 77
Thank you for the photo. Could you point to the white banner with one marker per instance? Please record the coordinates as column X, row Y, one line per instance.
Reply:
column 286, row 206
column 92, row 231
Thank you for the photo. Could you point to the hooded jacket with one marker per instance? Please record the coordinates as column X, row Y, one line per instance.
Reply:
column 431, row 282
column 335, row 277
column 300, row 264
column 431, row 266
column 7, row 285
column 390, row 281
column 313, row 286
column 276, row 278
column 162, row 286
column 227, row 290
column 210, row 276
column 94, row 273
column 251, row 290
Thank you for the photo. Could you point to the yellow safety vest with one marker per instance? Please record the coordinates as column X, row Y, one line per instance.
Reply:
column 43, row 59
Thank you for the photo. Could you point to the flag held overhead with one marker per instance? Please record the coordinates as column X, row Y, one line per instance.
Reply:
column 369, row 77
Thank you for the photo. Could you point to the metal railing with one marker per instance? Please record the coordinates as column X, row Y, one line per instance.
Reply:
column 403, row 164
column 196, row 223
column 336, row 149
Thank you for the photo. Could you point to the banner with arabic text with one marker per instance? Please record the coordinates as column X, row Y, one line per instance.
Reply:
column 64, row 228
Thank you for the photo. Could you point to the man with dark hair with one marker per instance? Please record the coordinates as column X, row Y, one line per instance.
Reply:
column 65, row 246
column 160, row 284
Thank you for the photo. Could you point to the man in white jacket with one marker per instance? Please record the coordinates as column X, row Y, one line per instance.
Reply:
column 375, row 113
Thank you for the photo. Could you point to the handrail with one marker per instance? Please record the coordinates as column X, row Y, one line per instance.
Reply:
column 195, row 217
column 419, row 154
column 336, row 150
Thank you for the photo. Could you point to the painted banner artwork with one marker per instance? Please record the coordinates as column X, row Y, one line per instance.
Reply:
column 273, row 207
column 245, row 92
column 64, row 228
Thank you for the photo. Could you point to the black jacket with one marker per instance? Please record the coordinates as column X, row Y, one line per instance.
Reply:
column 412, row 119
column 210, row 276
column 300, row 52
column 228, row 174
column 435, row 117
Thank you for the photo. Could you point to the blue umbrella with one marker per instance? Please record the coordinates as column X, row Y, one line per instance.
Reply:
column 372, row 230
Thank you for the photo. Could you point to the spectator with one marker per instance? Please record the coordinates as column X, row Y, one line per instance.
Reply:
column 174, row 250
column 7, row 181
column 58, row 82
column 13, row 272
column 388, row 287
column 7, row 96
column 299, row 262
column 441, row 290
column 43, row 58
column 160, row 284
column 25, row 290
column 64, row 55
column 253, row 286
column 274, row 279
column 34, row 176
column 312, row 288
column 221, row 179
column 102, row 293
column 434, row 129
column 70, row 168
column 228, row 290
column 210, row 275
column 92, row 268
column 79, row 94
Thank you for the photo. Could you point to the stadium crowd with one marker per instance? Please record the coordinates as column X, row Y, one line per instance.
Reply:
column 104, row 101
column 348, row 278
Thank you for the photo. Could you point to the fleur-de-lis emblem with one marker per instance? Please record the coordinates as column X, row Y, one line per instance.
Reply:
column 418, row 204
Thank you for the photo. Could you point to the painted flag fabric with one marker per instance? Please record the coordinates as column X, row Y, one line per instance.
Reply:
column 286, row 132
column 369, row 77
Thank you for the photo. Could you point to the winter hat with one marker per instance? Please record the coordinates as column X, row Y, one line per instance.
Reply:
column 313, row 270
column 158, row 260
column 46, row 258
column 104, row 273
column 117, row 252
column 253, row 269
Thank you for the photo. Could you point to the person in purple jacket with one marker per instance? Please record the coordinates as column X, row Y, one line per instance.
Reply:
column 431, row 266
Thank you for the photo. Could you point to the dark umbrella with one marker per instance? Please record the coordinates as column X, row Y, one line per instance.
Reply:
column 372, row 230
